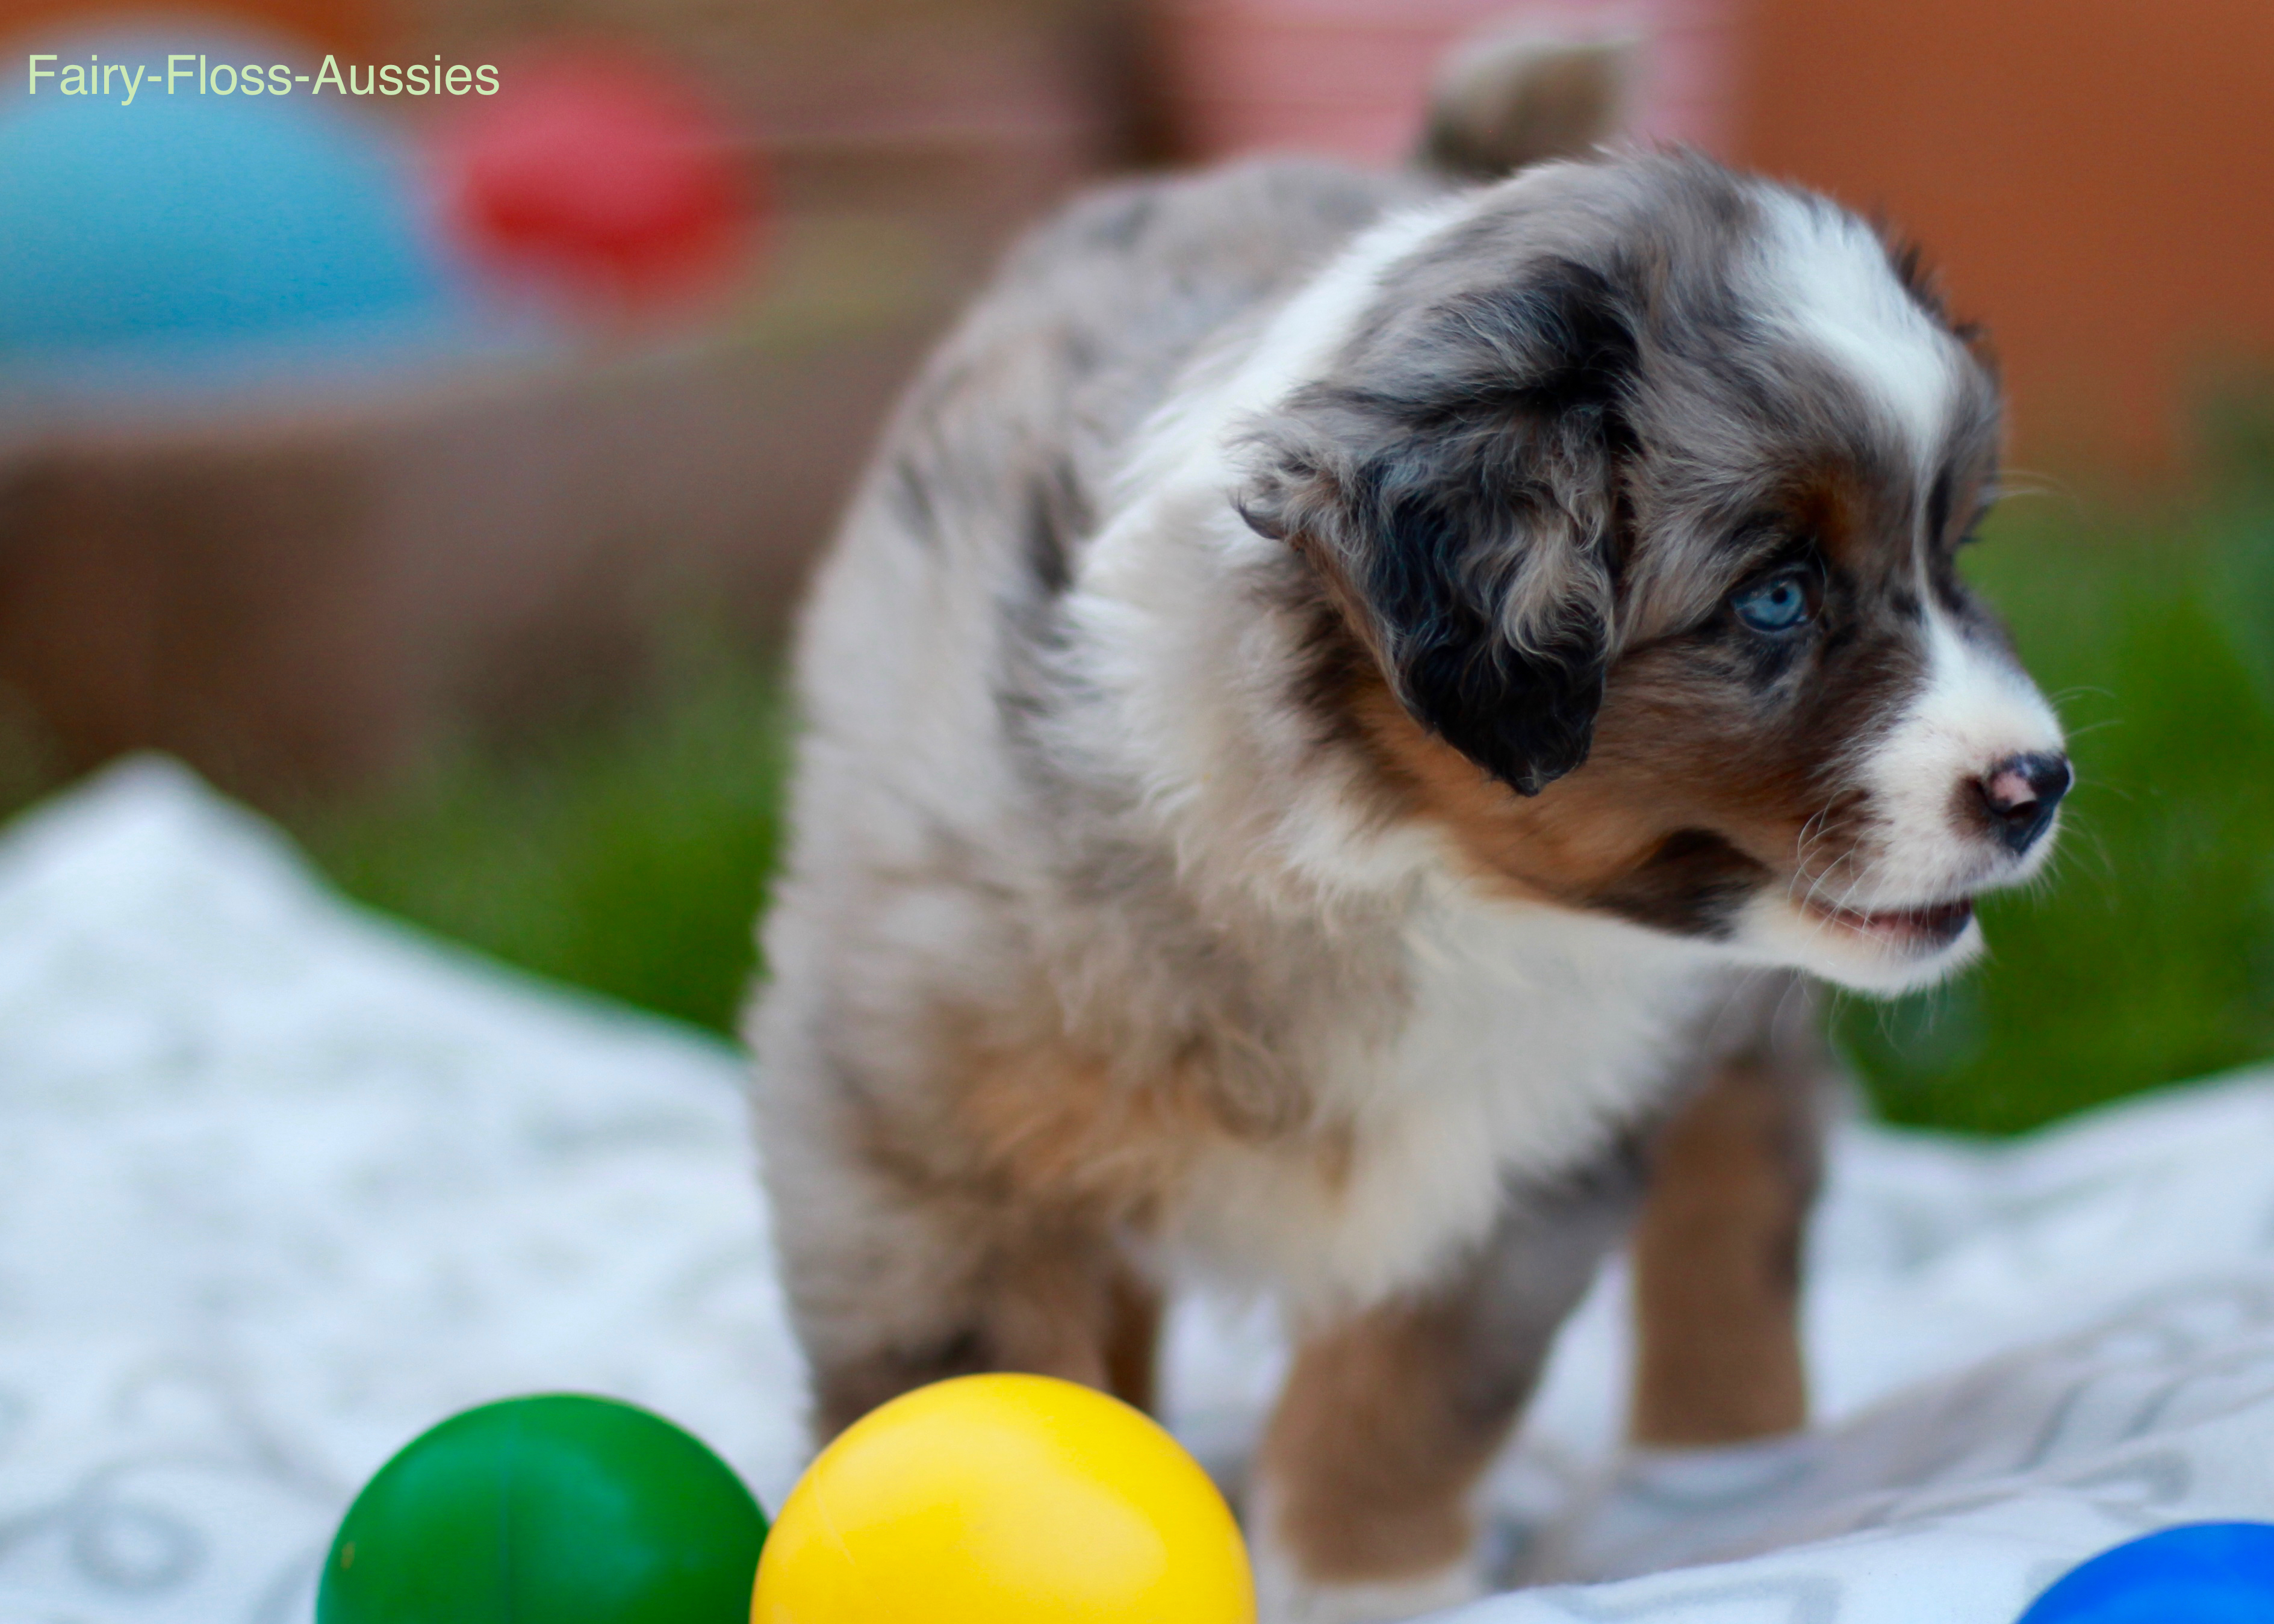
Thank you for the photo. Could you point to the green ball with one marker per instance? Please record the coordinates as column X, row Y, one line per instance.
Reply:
column 560, row 1508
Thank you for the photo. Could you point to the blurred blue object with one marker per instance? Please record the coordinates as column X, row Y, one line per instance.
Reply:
column 192, row 216
column 185, row 226
column 2201, row 1573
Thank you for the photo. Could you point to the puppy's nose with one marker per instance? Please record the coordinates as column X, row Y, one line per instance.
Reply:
column 2020, row 795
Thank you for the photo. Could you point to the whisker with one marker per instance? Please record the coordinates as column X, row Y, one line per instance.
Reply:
column 2040, row 485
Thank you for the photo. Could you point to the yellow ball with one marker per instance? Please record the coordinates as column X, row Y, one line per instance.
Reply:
column 1004, row 1499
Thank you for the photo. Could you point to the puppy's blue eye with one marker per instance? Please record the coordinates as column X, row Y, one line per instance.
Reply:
column 1776, row 605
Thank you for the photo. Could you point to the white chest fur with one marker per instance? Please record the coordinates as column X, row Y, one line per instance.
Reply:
column 1533, row 1037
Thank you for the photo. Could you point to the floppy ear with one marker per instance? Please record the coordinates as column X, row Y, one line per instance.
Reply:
column 1455, row 483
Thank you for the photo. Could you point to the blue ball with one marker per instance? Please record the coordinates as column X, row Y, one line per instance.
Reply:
column 201, row 220
column 2201, row 1573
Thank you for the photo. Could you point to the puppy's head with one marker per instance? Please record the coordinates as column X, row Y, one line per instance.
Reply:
column 1633, row 498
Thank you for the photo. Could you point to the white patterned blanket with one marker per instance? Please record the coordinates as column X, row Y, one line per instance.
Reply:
column 280, row 1184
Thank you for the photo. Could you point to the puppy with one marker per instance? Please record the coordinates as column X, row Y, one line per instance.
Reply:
column 1337, row 712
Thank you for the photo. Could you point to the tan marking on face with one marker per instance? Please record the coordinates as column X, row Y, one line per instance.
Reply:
column 1660, row 765
column 1684, row 742
column 1669, row 587
column 1825, row 502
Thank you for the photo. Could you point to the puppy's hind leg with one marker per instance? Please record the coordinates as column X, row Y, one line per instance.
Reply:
column 1055, row 1299
column 1133, row 1339
column 898, row 1275
column 1388, row 1418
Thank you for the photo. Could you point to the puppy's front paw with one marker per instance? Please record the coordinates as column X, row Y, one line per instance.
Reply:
column 1285, row 1595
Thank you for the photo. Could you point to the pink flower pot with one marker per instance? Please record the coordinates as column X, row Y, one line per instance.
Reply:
column 1351, row 77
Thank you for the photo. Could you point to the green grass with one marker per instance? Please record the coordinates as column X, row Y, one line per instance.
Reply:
column 628, row 856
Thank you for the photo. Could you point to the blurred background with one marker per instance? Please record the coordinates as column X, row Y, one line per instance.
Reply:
column 438, row 473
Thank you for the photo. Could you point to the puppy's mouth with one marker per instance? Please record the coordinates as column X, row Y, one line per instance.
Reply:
column 1915, row 930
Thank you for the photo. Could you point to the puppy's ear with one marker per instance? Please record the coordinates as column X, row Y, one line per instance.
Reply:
column 1456, row 482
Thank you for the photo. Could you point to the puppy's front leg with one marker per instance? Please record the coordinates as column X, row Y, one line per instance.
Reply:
column 1361, row 1509
column 1717, row 1253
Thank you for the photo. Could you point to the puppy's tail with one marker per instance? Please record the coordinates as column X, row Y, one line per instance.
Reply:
column 1517, row 96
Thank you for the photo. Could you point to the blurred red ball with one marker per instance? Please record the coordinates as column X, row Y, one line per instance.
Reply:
column 605, row 176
